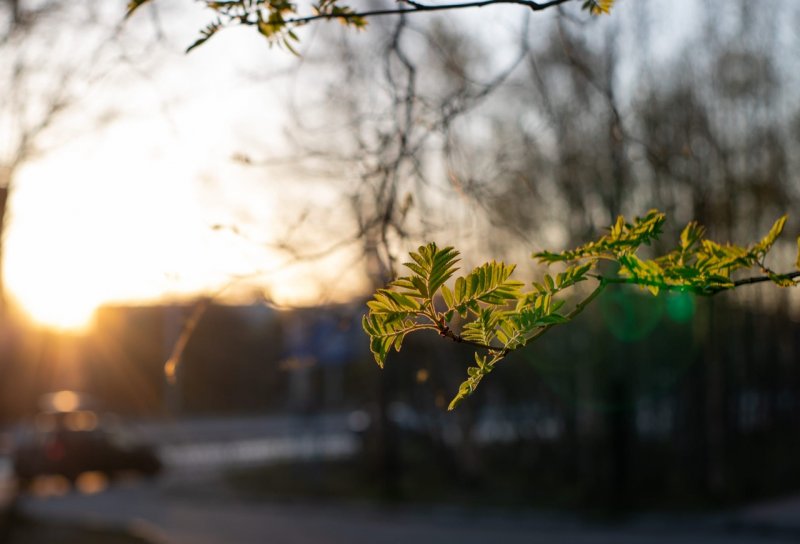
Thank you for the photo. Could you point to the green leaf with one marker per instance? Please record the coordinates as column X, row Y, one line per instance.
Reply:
column 572, row 275
column 407, row 286
column 623, row 238
column 420, row 286
column 464, row 390
column 403, row 302
column 433, row 266
column 797, row 262
column 646, row 270
column 548, row 257
column 206, row 34
column 598, row 7
column 386, row 330
column 552, row 319
column 766, row 243
column 475, row 374
column 417, row 269
column 467, row 387
column 482, row 330
column 377, row 345
column 691, row 234
column 269, row 29
column 781, row 280
column 488, row 283
column 447, row 295
column 389, row 302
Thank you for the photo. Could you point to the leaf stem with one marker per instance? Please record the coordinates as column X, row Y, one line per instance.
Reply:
column 412, row 328
column 579, row 307
column 447, row 332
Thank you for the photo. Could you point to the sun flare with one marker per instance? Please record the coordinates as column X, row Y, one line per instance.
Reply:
column 85, row 232
column 61, row 314
column 127, row 215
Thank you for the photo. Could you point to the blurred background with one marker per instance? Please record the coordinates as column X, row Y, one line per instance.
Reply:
column 188, row 242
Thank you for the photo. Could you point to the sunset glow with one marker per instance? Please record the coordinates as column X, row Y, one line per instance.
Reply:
column 123, row 211
column 93, row 225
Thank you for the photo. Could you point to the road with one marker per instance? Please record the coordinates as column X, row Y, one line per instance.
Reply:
column 202, row 512
column 190, row 503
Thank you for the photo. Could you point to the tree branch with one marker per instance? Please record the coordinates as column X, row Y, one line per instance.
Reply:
column 761, row 279
column 416, row 7
column 699, row 290
column 447, row 332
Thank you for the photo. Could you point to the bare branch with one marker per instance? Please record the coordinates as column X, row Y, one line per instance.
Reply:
column 416, row 7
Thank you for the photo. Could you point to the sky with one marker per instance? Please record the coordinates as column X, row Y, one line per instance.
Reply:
column 129, row 210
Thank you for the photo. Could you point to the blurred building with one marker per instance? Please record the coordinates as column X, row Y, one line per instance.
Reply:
column 238, row 359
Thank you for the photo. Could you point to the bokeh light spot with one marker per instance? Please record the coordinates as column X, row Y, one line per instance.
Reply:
column 680, row 307
column 631, row 316
column 65, row 401
column 50, row 486
column 91, row 482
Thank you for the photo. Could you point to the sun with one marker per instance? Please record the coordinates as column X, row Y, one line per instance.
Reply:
column 83, row 233
column 70, row 314
column 49, row 268
column 92, row 225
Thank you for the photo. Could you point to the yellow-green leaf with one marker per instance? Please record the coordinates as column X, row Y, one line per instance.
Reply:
column 598, row 7
column 766, row 243
column 781, row 281
column 797, row 262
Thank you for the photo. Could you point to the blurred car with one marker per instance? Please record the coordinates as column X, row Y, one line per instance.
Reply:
column 72, row 442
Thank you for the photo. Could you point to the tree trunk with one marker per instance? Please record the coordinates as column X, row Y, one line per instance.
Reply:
column 3, row 203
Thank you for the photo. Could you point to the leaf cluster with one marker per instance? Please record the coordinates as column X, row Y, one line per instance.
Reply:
column 485, row 308
column 623, row 239
column 597, row 7
column 698, row 264
column 496, row 314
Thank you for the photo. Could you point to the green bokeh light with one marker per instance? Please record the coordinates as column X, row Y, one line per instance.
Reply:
column 628, row 339
column 680, row 307
column 631, row 316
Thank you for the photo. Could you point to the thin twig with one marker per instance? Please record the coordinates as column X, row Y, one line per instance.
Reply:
column 699, row 290
column 417, row 8
column 575, row 311
column 760, row 279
